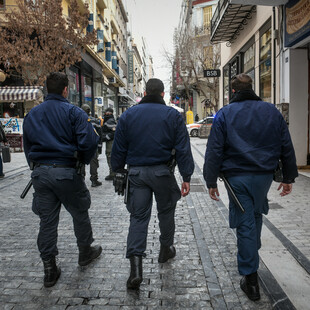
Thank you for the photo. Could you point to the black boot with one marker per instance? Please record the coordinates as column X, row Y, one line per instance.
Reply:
column 51, row 272
column 88, row 253
column 135, row 277
column 95, row 183
column 249, row 284
column 165, row 253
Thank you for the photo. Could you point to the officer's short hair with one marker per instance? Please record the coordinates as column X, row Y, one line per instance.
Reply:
column 56, row 82
column 241, row 81
column 109, row 110
column 154, row 87
column 85, row 107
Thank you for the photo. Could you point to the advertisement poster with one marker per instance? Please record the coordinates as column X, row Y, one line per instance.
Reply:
column 12, row 125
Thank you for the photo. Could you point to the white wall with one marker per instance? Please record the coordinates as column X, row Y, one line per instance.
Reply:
column 296, row 81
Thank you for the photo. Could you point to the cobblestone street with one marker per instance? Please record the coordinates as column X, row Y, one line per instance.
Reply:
column 203, row 275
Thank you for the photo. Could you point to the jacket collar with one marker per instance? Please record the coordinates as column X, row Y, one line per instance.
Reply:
column 153, row 99
column 242, row 95
column 56, row 97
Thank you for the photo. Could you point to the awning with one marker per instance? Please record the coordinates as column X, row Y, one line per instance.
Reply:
column 127, row 97
column 21, row 93
column 228, row 20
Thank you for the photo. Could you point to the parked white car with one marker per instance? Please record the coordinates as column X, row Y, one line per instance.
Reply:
column 194, row 128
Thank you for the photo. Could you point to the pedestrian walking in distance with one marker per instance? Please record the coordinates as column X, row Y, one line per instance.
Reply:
column 3, row 139
column 247, row 140
column 145, row 139
column 94, row 163
column 108, row 131
column 56, row 134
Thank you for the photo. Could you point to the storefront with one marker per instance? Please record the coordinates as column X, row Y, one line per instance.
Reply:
column 88, row 85
column 15, row 103
column 254, row 59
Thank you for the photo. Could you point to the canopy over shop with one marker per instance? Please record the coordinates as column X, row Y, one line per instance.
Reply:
column 15, row 103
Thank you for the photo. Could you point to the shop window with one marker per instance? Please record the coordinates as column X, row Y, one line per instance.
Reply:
column 98, row 93
column 86, row 88
column 249, row 63
column 226, row 85
column 2, row 4
column 73, row 87
column 265, row 66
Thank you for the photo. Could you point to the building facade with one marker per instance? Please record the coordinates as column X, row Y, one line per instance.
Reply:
column 100, row 79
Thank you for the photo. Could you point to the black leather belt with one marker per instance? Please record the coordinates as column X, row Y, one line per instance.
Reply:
column 54, row 165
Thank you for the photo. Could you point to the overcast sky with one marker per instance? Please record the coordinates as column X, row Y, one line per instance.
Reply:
column 155, row 20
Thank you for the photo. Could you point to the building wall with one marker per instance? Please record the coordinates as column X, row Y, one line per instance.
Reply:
column 296, row 83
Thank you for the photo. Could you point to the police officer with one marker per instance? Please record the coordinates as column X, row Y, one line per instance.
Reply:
column 94, row 163
column 108, row 131
column 145, row 138
column 247, row 139
column 54, row 132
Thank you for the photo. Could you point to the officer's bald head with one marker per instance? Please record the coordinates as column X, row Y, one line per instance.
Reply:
column 56, row 83
column 154, row 87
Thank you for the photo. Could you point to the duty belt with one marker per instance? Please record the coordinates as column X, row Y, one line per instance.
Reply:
column 54, row 165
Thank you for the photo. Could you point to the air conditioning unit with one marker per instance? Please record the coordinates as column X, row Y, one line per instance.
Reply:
column 112, row 80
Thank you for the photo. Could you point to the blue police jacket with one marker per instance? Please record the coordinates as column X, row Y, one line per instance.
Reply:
column 146, row 134
column 55, row 129
column 249, row 137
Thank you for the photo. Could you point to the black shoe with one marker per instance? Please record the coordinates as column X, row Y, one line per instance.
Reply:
column 165, row 253
column 135, row 277
column 249, row 284
column 109, row 177
column 88, row 253
column 2, row 176
column 95, row 183
column 51, row 272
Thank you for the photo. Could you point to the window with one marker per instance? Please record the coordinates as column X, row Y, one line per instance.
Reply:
column 249, row 63
column 207, row 16
column 2, row 4
column 208, row 57
column 74, row 96
column 265, row 66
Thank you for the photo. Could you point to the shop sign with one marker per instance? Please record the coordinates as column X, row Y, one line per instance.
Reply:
column 99, row 101
column 130, row 67
column 297, row 21
column 212, row 73
column 12, row 125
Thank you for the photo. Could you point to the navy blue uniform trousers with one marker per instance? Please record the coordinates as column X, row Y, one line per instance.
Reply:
column 144, row 181
column 53, row 187
column 251, row 191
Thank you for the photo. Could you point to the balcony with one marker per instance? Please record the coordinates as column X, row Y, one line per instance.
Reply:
column 228, row 20
column 102, row 4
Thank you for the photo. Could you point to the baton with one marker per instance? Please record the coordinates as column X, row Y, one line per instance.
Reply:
column 26, row 190
column 232, row 193
column 126, row 190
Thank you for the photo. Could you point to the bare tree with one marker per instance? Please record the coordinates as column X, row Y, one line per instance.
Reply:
column 194, row 53
column 37, row 38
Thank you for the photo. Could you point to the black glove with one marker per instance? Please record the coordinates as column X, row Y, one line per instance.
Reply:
column 119, row 181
